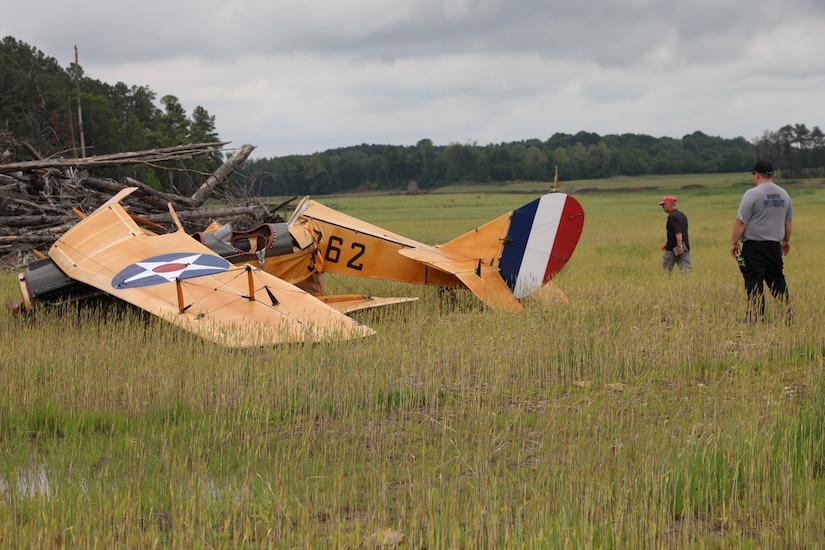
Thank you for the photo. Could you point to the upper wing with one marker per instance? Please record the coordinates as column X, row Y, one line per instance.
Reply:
column 182, row 281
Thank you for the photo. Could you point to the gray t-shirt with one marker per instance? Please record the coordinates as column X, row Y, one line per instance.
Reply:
column 764, row 210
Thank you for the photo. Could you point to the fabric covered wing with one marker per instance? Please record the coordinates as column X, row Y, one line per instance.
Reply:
column 182, row 281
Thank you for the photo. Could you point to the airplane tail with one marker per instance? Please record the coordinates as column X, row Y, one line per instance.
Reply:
column 515, row 254
column 541, row 239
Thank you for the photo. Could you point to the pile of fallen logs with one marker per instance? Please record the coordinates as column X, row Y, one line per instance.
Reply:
column 40, row 199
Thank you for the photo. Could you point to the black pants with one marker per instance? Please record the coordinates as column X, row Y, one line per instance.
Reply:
column 763, row 265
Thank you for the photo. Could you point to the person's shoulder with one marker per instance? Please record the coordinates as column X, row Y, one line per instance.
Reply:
column 775, row 187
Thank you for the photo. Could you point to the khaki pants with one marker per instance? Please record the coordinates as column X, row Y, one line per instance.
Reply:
column 669, row 259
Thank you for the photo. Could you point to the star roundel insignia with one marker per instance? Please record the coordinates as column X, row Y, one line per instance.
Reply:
column 168, row 267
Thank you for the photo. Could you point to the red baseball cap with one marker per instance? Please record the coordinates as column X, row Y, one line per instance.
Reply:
column 669, row 198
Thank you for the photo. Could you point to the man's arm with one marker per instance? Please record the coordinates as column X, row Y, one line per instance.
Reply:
column 786, row 240
column 738, row 230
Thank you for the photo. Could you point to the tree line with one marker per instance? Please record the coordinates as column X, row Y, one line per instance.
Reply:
column 38, row 107
column 426, row 165
column 796, row 151
column 39, row 114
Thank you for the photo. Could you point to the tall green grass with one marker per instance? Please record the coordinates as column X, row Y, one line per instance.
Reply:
column 640, row 415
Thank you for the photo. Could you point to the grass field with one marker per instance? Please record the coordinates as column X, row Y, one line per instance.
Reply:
column 640, row 415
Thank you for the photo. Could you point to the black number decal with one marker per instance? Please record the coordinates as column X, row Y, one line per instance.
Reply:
column 333, row 251
column 361, row 249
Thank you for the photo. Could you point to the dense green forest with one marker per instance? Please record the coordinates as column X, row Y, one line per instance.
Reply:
column 581, row 156
column 39, row 99
column 38, row 107
column 795, row 150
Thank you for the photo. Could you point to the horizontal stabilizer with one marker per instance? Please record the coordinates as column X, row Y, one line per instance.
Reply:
column 347, row 303
column 483, row 280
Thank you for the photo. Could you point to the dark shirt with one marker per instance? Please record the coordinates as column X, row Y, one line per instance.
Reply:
column 677, row 223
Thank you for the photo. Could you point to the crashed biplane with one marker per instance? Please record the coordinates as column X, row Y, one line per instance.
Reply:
column 264, row 286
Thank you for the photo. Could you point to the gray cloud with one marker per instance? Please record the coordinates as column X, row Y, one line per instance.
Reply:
column 298, row 77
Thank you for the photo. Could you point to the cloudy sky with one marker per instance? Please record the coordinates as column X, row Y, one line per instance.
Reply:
column 301, row 76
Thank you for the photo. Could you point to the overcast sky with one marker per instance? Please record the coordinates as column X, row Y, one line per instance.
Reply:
column 302, row 76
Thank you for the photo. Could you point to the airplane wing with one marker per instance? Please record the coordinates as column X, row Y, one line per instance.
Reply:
column 180, row 280
column 483, row 280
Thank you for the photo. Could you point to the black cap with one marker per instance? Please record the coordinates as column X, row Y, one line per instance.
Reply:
column 763, row 167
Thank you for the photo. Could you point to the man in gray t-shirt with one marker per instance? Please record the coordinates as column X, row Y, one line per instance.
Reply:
column 761, row 236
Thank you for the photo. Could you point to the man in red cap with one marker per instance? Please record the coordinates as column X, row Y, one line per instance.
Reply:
column 677, row 247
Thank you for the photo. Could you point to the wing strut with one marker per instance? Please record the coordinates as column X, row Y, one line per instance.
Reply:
column 251, row 296
column 181, row 308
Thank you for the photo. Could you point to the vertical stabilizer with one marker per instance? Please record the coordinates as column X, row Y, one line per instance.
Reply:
column 527, row 246
column 541, row 238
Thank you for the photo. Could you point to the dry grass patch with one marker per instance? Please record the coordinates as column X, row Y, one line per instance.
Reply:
column 639, row 415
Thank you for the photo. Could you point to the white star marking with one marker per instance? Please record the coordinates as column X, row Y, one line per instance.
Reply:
column 168, row 275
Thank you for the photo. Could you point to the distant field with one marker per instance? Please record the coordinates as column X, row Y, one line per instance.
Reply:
column 436, row 217
column 650, row 183
column 640, row 415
